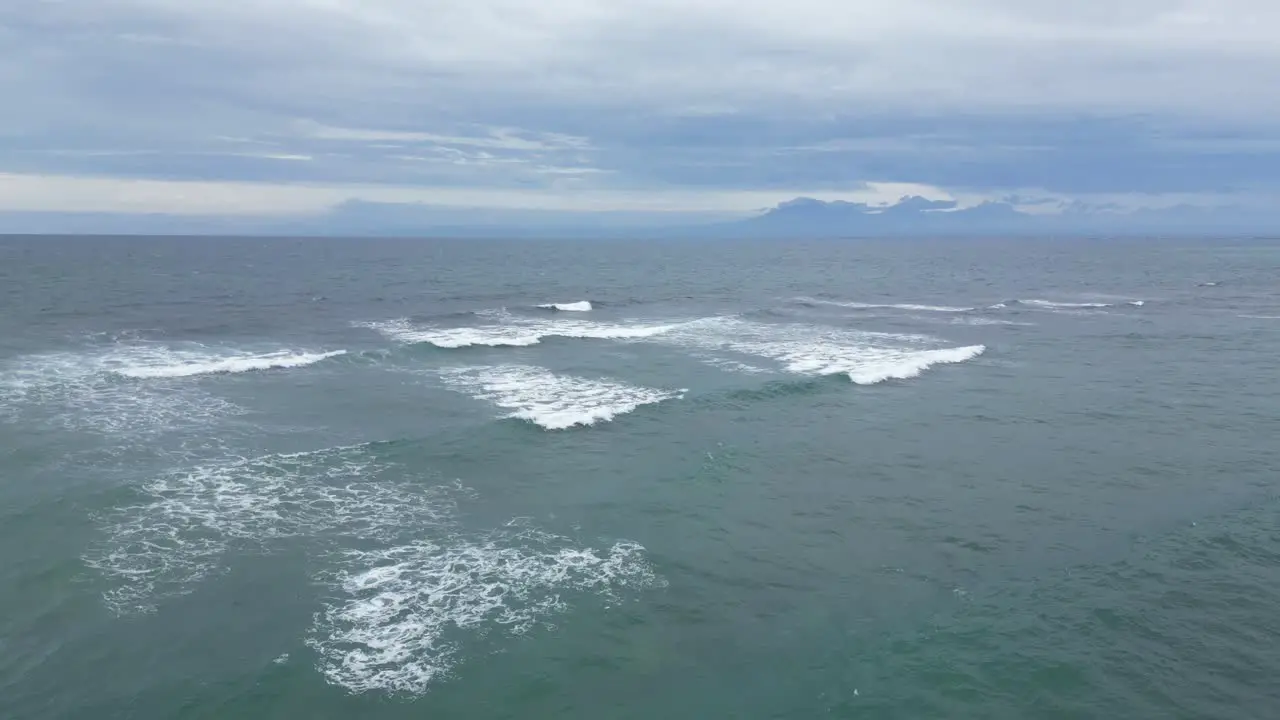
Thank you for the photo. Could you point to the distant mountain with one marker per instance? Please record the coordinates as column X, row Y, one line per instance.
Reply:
column 910, row 215
column 801, row 217
column 914, row 215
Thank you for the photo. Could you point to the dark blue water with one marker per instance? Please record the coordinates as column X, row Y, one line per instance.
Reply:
column 278, row 478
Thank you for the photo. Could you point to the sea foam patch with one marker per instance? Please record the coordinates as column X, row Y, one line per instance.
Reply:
column 410, row 590
column 82, row 392
column 133, row 387
column 399, row 617
column 553, row 401
column 182, row 523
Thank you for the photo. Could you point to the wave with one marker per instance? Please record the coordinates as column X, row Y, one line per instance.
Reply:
column 887, row 306
column 1259, row 317
column 905, row 366
column 513, row 332
column 554, row 402
column 865, row 357
column 395, row 626
column 580, row 306
column 186, row 364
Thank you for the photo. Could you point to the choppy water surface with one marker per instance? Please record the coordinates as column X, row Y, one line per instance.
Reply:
column 397, row 478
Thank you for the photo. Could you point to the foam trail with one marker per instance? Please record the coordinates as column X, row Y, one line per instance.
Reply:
column 979, row 321
column 1052, row 304
column 186, row 364
column 889, row 306
column 555, row 402
column 580, row 306
column 393, row 628
column 514, row 332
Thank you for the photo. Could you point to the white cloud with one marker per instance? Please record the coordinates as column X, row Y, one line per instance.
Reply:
column 498, row 138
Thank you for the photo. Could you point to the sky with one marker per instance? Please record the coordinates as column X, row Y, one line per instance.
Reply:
column 633, row 108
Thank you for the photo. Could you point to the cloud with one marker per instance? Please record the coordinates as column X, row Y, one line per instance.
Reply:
column 611, row 99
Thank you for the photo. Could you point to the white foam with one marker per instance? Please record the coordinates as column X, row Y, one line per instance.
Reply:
column 812, row 350
column 183, row 522
column 894, row 366
column 979, row 321
column 187, row 364
column 395, row 626
column 514, row 332
column 404, row 331
column 81, row 391
column 555, row 402
column 888, row 306
column 1260, row 317
column 580, row 306
column 1056, row 305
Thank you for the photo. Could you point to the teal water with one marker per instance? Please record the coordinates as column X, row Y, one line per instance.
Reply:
column 267, row 478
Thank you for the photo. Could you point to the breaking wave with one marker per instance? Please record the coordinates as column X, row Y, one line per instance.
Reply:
column 85, row 392
column 554, row 402
column 175, row 364
column 865, row 357
column 580, row 306
column 513, row 332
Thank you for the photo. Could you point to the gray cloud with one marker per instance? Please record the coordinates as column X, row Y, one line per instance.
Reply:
column 749, row 95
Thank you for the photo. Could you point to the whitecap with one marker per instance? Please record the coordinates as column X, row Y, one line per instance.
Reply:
column 555, row 402
column 514, row 332
column 864, row 357
column 902, row 366
column 176, row 364
column 81, row 392
column 580, row 306
column 888, row 306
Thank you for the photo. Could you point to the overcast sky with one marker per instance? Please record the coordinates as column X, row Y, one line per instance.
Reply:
column 293, row 106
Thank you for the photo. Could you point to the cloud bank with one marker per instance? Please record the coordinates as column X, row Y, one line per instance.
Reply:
column 693, row 107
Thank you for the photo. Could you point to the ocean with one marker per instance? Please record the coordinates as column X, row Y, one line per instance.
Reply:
column 396, row 478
